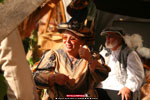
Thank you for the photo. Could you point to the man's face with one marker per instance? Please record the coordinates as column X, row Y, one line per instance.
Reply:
column 113, row 40
column 71, row 42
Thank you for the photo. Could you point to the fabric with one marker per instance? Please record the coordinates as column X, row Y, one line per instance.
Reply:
column 16, row 69
column 11, row 18
column 85, row 81
column 131, row 75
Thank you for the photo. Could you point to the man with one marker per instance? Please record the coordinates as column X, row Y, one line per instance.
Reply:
column 70, row 71
column 127, row 73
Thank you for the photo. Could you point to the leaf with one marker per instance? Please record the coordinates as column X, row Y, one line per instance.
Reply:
column 3, row 86
column 30, row 60
column 1, row 1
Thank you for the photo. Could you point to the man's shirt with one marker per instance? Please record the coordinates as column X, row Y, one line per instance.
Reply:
column 134, row 69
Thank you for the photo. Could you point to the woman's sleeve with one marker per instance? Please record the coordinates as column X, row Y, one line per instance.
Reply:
column 44, row 69
column 101, row 71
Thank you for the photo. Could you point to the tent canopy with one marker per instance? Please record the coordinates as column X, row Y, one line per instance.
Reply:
column 133, row 8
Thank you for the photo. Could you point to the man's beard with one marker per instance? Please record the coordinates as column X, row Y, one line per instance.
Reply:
column 111, row 45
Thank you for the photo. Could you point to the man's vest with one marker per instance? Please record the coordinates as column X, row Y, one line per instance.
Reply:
column 122, row 58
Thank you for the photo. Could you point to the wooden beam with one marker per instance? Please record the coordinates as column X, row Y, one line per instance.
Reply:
column 13, row 12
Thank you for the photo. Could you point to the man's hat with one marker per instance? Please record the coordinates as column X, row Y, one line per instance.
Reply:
column 133, row 41
column 118, row 30
column 114, row 29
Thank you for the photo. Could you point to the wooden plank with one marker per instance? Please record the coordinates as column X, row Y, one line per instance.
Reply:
column 62, row 11
column 13, row 12
column 47, row 22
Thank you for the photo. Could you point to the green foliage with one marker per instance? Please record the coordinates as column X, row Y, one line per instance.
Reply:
column 30, row 44
column 1, row 1
column 34, row 46
column 30, row 61
column 33, row 40
column 26, row 44
column 3, row 87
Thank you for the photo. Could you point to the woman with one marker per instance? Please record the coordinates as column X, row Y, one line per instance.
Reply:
column 70, row 70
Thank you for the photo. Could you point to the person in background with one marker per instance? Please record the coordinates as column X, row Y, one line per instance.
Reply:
column 127, row 74
column 15, row 73
column 15, row 70
column 71, row 69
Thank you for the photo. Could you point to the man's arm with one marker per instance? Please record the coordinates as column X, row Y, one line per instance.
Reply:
column 45, row 69
column 135, row 72
column 135, row 76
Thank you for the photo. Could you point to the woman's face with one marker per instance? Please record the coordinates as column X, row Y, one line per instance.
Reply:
column 71, row 42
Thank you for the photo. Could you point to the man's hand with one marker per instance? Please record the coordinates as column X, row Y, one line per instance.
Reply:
column 125, row 93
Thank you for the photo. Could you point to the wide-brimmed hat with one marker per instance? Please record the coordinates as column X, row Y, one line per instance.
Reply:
column 82, row 29
column 118, row 30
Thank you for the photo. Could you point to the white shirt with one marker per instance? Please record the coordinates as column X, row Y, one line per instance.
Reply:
column 135, row 72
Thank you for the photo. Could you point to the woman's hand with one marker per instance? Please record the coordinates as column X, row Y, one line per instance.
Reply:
column 85, row 53
column 61, row 79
